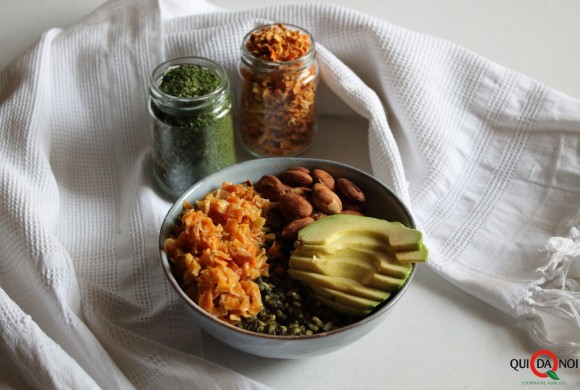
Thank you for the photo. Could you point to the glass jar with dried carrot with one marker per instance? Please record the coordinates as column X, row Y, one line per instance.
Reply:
column 279, row 74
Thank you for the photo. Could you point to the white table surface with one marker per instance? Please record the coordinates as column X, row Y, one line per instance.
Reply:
column 438, row 337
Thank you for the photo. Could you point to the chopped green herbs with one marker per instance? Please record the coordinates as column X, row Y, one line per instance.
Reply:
column 191, row 139
column 189, row 81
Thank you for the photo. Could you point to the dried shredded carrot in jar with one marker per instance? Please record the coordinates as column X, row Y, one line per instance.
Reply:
column 277, row 43
column 279, row 74
column 218, row 251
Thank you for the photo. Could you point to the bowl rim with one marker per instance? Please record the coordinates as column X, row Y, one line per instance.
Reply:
column 295, row 161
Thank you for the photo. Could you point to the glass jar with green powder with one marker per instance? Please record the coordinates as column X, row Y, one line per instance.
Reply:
column 192, row 122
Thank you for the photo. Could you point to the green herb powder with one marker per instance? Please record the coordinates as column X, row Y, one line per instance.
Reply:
column 193, row 141
column 189, row 81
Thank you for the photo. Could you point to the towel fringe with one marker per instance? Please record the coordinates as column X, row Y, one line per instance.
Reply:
column 555, row 293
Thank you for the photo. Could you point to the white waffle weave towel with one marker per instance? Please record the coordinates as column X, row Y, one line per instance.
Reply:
column 488, row 160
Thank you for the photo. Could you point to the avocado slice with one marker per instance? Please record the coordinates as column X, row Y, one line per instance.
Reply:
column 337, row 232
column 359, row 230
column 350, row 261
column 345, row 285
column 333, row 265
column 344, row 302
column 417, row 256
column 353, row 263
column 355, row 303
column 344, row 309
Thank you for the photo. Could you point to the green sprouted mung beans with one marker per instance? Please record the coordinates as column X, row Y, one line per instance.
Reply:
column 193, row 132
column 289, row 308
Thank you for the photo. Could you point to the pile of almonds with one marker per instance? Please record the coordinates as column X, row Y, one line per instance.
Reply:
column 301, row 196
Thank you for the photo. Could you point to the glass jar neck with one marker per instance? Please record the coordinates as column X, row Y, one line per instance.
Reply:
column 174, row 105
column 261, row 65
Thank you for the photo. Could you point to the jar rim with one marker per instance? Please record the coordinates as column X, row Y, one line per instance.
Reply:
column 309, row 54
column 157, row 76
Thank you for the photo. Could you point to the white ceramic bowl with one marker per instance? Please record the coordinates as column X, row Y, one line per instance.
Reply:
column 380, row 203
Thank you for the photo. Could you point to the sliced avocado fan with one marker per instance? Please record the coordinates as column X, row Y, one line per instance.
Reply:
column 353, row 263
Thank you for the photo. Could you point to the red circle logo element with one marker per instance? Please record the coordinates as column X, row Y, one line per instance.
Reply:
column 541, row 353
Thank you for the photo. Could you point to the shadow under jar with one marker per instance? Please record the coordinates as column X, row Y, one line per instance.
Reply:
column 279, row 73
column 192, row 122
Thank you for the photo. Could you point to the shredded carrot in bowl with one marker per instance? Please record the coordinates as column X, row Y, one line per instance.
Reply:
column 218, row 251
